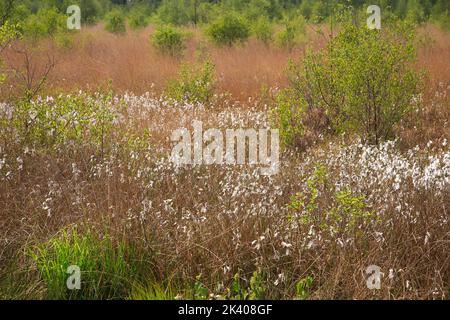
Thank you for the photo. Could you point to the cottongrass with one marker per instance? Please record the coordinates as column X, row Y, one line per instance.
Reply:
column 222, row 221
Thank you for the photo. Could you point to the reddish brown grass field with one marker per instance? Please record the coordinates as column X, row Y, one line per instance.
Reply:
column 133, row 65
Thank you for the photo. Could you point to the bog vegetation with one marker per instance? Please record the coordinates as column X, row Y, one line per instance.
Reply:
column 86, row 179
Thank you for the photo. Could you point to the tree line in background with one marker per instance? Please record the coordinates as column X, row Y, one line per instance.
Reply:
column 194, row 12
column 225, row 22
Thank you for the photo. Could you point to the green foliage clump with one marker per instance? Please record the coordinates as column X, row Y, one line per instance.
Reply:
column 363, row 81
column 91, row 10
column 292, row 33
column 115, row 21
column 153, row 292
column 52, row 123
column 255, row 290
column 108, row 268
column 440, row 14
column 415, row 12
column 137, row 18
column 228, row 29
column 256, row 9
column 239, row 288
column 8, row 32
column 263, row 30
column 46, row 22
column 195, row 84
column 174, row 12
column 289, row 116
column 169, row 40
column 329, row 210
column 303, row 287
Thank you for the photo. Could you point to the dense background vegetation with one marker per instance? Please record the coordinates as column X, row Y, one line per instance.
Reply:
column 194, row 12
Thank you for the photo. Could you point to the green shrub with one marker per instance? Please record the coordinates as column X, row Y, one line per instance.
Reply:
column 46, row 22
column 415, row 12
column 239, row 288
column 194, row 84
column 8, row 32
column 174, row 12
column 293, row 32
column 91, row 10
column 263, row 30
column 440, row 14
column 254, row 290
column 51, row 123
column 137, row 18
column 266, row 9
column 115, row 21
column 363, row 81
column 109, row 269
column 303, row 287
column 228, row 29
column 330, row 210
column 288, row 116
column 169, row 40
column 64, row 41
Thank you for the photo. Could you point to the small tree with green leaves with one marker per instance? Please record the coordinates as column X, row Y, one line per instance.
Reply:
column 169, row 40
column 363, row 80
column 45, row 23
column 115, row 22
column 174, row 12
column 194, row 84
column 137, row 18
column 263, row 30
column 228, row 29
column 292, row 33
column 8, row 33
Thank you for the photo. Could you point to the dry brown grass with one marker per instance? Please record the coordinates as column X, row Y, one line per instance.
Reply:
column 133, row 65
